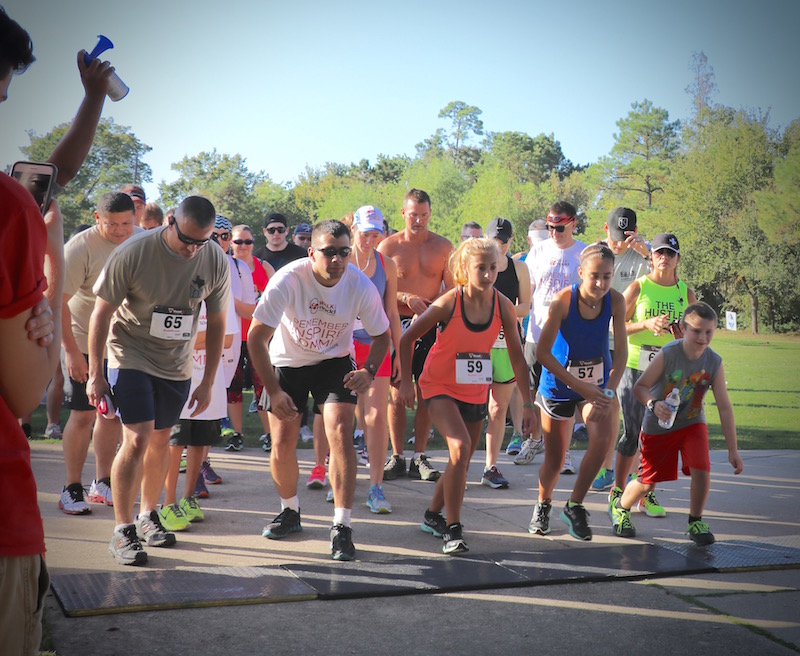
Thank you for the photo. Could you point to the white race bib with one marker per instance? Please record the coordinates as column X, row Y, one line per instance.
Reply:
column 500, row 342
column 473, row 368
column 646, row 356
column 587, row 371
column 171, row 323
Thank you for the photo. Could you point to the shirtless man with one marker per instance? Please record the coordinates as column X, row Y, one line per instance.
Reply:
column 423, row 274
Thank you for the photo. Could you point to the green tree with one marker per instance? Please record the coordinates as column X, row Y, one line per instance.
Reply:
column 116, row 158
column 224, row 179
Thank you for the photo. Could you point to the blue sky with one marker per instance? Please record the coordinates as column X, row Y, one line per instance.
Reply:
column 290, row 84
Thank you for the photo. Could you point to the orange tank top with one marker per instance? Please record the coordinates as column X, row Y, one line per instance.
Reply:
column 459, row 363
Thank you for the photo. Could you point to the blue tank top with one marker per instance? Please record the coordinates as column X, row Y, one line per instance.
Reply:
column 378, row 279
column 581, row 346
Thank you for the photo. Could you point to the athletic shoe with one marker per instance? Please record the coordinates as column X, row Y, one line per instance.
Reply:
column 621, row 521
column 209, row 475
column 529, row 450
column 318, row 478
column 575, row 519
column 569, row 467
column 287, row 522
column 226, row 430
column 540, row 521
column 192, row 509
column 253, row 406
column 153, row 532
column 173, row 518
column 53, row 431
column 358, row 439
column 493, row 478
column 650, row 506
column 699, row 533
column 515, row 445
column 306, row 434
column 329, row 496
column 616, row 493
column 453, row 539
column 26, row 428
column 100, row 492
column 200, row 489
column 580, row 434
column 266, row 442
column 420, row 469
column 182, row 466
column 342, row 547
column 362, row 457
column 604, row 480
column 395, row 467
column 376, row 502
column 126, row 548
column 632, row 477
column 434, row 524
column 72, row 502
column 235, row 443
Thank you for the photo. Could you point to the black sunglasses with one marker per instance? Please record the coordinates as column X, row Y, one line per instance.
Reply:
column 666, row 252
column 330, row 251
column 188, row 240
column 560, row 228
column 239, row 242
column 224, row 236
column 272, row 231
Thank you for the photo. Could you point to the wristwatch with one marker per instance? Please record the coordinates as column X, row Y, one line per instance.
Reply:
column 651, row 405
column 371, row 367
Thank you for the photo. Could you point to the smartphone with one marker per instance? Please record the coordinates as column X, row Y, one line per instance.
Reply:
column 38, row 178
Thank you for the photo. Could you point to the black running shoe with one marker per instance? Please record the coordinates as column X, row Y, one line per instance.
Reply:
column 342, row 543
column 153, row 532
column 453, row 540
column 287, row 522
column 395, row 467
column 540, row 522
column 235, row 442
column 575, row 519
column 434, row 524
column 126, row 548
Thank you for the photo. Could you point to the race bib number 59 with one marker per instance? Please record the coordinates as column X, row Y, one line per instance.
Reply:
column 171, row 323
column 473, row 368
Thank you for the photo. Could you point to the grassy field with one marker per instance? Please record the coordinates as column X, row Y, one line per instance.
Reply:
column 763, row 375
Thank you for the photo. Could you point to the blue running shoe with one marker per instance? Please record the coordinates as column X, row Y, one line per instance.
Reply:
column 604, row 480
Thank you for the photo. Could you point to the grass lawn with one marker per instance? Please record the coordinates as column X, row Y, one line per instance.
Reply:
column 763, row 373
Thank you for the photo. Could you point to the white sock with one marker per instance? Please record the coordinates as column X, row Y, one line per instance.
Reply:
column 417, row 454
column 118, row 528
column 578, row 427
column 341, row 516
column 293, row 503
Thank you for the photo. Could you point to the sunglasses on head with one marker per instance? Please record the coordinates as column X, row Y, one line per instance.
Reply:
column 330, row 251
column 280, row 230
column 221, row 236
column 188, row 240
column 239, row 242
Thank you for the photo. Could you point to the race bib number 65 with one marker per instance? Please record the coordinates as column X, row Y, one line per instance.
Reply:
column 171, row 323
column 473, row 368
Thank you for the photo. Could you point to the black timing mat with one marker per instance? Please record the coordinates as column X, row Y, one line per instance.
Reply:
column 770, row 552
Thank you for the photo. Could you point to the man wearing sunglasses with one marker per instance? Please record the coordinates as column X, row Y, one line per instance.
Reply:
column 299, row 342
column 278, row 250
column 553, row 265
column 146, row 311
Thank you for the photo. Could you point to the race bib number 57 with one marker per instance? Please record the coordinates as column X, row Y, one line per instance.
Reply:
column 473, row 368
column 587, row 371
column 171, row 323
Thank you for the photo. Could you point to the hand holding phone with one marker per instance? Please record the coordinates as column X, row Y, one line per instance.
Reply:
column 38, row 178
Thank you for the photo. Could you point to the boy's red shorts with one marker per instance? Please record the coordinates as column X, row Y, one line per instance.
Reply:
column 361, row 353
column 660, row 453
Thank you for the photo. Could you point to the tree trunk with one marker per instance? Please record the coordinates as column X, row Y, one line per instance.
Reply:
column 753, row 313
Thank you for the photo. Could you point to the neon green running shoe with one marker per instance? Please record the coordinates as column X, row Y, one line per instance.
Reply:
column 649, row 505
column 191, row 509
column 173, row 518
column 700, row 534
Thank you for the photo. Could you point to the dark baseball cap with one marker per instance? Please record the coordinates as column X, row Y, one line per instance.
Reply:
column 275, row 217
column 134, row 191
column 503, row 229
column 620, row 221
column 302, row 229
column 666, row 240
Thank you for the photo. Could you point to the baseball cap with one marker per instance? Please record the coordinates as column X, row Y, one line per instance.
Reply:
column 666, row 240
column 620, row 221
column 134, row 191
column 302, row 229
column 275, row 217
column 537, row 231
column 368, row 218
column 500, row 228
column 222, row 223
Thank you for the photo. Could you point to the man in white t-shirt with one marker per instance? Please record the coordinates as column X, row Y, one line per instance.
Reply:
column 307, row 311
column 553, row 265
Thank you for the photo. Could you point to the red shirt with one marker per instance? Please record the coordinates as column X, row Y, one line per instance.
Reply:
column 23, row 239
column 260, row 280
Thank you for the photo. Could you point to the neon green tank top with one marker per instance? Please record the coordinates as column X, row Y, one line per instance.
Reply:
column 654, row 300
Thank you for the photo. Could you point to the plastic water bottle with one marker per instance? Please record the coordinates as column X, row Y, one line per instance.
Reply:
column 117, row 89
column 105, row 407
column 673, row 401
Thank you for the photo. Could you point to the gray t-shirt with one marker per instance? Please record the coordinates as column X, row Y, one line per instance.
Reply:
column 693, row 378
column 158, row 294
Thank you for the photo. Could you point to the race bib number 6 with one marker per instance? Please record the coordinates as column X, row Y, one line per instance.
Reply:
column 646, row 356
column 473, row 368
column 171, row 323
column 587, row 371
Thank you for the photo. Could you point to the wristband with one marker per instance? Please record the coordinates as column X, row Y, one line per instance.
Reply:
column 528, row 405
column 404, row 298
column 609, row 393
